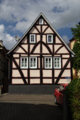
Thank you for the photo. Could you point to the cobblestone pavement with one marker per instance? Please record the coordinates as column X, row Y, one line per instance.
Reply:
column 29, row 107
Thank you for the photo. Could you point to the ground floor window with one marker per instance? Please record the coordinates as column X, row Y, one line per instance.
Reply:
column 33, row 62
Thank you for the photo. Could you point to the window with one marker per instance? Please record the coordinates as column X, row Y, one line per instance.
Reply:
column 57, row 62
column 33, row 62
column 49, row 38
column 40, row 21
column 24, row 62
column 32, row 38
column 48, row 62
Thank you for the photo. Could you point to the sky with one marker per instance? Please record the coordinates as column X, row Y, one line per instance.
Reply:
column 17, row 15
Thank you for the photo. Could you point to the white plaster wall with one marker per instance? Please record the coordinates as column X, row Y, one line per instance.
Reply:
column 33, row 30
column 56, row 55
column 37, row 49
column 56, row 73
column 17, row 81
column 45, row 22
column 63, row 81
column 34, row 73
column 34, row 55
column 15, row 55
column 57, row 40
column 27, row 81
column 19, row 50
column 51, row 48
column 25, row 73
column 31, row 47
column 24, row 40
column 66, row 73
column 38, row 38
column 17, row 60
column 49, row 31
column 63, row 50
column 65, row 56
column 34, row 81
column 47, row 73
column 24, row 55
column 56, row 47
column 68, row 66
column 44, row 38
column 43, row 28
column 25, row 47
column 64, row 62
column 15, row 73
column 13, row 65
column 44, row 49
column 38, row 27
column 47, row 81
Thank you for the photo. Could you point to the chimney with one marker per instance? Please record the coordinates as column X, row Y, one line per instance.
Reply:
column 1, row 42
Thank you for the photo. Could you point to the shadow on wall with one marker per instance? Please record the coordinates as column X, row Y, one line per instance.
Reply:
column 23, row 111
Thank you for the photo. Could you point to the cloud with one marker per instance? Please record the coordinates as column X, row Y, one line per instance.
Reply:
column 60, row 13
column 8, row 40
column 65, row 38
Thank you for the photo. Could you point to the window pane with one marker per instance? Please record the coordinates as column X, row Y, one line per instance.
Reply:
column 49, row 38
column 32, row 38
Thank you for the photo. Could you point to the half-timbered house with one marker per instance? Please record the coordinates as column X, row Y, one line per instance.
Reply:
column 40, row 57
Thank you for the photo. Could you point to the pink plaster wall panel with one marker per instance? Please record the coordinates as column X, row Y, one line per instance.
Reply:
column 17, row 81
column 51, row 48
column 13, row 65
column 34, row 55
column 44, row 38
column 66, row 73
column 56, row 55
column 47, row 81
column 45, row 22
column 68, row 66
column 44, row 49
column 47, row 55
column 27, row 81
column 56, row 47
column 19, row 50
column 38, row 38
column 24, row 40
column 49, row 31
column 56, row 73
column 25, row 73
column 38, row 27
column 15, row 73
column 15, row 55
column 37, row 49
column 43, row 28
column 63, row 81
column 47, row 73
column 63, row 50
column 25, row 47
column 65, row 56
column 34, row 73
column 38, row 62
column 57, row 40
column 33, row 30
column 31, row 47
column 64, row 62
column 34, row 81
column 17, row 60
column 24, row 55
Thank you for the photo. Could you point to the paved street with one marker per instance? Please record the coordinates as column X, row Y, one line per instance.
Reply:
column 29, row 107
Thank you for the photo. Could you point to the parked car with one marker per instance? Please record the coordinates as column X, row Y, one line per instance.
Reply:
column 58, row 94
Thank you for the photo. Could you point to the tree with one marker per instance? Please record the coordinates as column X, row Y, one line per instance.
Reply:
column 76, row 47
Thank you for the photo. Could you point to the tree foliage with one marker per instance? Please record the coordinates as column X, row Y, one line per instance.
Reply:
column 76, row 47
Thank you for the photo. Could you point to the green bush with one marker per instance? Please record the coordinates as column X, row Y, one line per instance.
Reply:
column 73, row 92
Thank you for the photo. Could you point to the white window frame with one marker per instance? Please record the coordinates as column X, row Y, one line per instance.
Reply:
column 48, row 63
column 54, row 62
column 40, row 21
column 24, row 63
column 51, row 38
column 30, row 63
column 34, row 38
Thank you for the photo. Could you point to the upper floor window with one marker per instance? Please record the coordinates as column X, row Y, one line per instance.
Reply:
column 49, row 38
column 32, row 38
column 40, row 21
column 33, row 62
column 24, row 62
column 48, row 62
column 57, row 62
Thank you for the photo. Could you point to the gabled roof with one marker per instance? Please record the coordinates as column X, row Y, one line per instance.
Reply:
column 41, row 14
